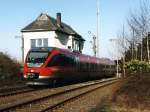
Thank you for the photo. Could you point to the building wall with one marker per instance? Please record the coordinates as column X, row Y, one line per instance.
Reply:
column 62, row 40
column 55, row 39
column 70, row 41
column 37, row 35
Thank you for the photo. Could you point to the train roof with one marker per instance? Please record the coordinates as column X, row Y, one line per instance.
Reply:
column 105, row 61
column 43, row 49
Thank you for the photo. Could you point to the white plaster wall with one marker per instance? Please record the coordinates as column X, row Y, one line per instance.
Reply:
column 61, row 40
column 37, row 35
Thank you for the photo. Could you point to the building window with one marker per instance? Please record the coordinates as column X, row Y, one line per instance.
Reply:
column 39, row 42
column 43, row 42
column 76, row 45
column 33, row 43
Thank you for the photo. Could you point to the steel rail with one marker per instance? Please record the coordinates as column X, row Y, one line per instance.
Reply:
column 7, row 89
column 16, row 92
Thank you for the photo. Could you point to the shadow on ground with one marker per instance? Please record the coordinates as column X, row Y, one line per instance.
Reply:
column 103, row 106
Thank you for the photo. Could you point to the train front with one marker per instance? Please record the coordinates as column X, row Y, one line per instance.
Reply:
column 35, row 66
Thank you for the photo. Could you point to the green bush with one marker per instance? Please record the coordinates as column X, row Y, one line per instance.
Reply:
column 135, row 66
column 9, row 68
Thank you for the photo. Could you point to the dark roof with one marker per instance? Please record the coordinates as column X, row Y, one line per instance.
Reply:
column 46, row 23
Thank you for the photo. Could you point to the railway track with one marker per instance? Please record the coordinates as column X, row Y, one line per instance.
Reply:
column 15, row 91
column 7, row 89
column 54, row 97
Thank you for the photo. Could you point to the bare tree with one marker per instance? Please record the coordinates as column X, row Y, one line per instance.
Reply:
column 123, row 41
column 140, row 23
column 123, row 46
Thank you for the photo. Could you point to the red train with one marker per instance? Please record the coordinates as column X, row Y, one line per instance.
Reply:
column 51, row 64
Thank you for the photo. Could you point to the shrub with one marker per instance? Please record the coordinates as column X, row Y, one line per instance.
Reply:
column 135, row 66
column 9, row 68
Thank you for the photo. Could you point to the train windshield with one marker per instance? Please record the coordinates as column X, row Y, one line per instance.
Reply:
column 36, row 58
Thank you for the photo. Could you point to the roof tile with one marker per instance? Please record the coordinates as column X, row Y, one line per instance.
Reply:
column 45, row 22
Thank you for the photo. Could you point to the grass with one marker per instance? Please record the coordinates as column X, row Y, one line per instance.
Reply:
column 133, row 93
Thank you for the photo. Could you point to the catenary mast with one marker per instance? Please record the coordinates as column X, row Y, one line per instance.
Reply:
column 97, row 35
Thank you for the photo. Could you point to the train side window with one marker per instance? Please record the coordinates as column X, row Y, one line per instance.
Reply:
column 54, row 61
column 82, row 66
column 90, row 66
column 99, row 67
column 61, row 60
column 71, row 61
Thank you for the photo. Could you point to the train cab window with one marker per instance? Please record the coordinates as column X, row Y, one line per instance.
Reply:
column 37, row 57
column 61, row 60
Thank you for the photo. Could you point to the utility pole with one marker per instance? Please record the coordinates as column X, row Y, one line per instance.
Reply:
column 132, row 44
column 94, row 45
column 141, row 46
column 97, row 39
column 148, row 47
column 124, row 72
column 136, row 50
column 116, row 43
column 93, row 42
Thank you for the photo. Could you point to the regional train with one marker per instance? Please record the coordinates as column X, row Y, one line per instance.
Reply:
column 47, row 65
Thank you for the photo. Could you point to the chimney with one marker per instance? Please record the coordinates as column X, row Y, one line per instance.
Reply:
column 59, row 19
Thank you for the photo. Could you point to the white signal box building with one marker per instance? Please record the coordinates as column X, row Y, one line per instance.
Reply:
column 47, row 31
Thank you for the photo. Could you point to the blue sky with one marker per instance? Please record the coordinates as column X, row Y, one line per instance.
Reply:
column 80, row 14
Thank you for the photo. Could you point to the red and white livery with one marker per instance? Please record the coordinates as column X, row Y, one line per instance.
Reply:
column 51, row 64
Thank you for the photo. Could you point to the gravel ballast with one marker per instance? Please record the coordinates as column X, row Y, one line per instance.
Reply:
column 90, row 102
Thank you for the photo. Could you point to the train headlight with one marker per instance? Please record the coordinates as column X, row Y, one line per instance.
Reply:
column 32, row 70
column 32, row 75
